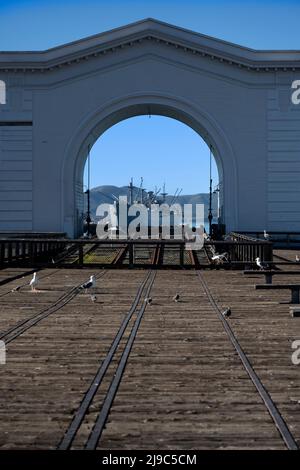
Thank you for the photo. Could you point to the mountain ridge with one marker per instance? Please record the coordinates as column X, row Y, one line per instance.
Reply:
column 105, row 194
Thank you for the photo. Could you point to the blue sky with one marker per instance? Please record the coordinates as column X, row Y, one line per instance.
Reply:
column 41, row 24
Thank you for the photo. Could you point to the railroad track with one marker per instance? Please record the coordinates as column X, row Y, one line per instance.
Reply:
column 283, row 258
column 38, row 269
column 279, row 422
column 96, row 433
column 110, row 256
column 17, row 276
column 134, row 315
column 15, row 331
column 120, row 256
column 24, row 284
column 71, row 257
column 118, row 348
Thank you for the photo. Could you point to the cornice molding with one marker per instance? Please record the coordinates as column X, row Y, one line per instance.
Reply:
column 149, row 31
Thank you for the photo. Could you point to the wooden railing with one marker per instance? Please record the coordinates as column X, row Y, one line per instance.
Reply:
column 279, row 239
column 103, row 253
column 247, row 248
column 28, row 251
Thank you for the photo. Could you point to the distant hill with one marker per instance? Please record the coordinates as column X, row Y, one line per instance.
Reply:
column 103, row 194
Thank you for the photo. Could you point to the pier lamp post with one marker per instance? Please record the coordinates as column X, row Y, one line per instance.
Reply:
column 88, row 212
column 217, row 191
column 88, row 193
column 210, row 216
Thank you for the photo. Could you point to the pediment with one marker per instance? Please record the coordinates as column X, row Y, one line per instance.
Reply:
column 155, row 31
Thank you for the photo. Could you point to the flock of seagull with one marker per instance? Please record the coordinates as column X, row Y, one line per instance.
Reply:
column 220, row 258
column 217, row 258
column 89, row 285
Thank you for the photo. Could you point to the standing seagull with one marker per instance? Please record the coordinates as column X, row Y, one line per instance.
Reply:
column 297, row 259
column 90, row 283
column 176, row 298
column 261, row 265
column 266, row 235
column 33, row 283
column 148, row 300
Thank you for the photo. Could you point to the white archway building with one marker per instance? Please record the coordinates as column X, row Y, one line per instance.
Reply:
column 58, row 102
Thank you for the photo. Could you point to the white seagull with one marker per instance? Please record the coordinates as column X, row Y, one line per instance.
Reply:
column 297, row 259
column 220, row 258
column 261, row 265
column 148, row 300
column 176, row 298
column 90, row 283
column 33, row 283
column 266, row 235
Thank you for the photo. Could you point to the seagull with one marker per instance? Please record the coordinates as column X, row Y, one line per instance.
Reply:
column 34, row 281
column 261, row 265
column 176, row 298
column 220, row 258
column 226, row 312
column 266, row 235
column 93, row 298
column 297, row 259
column 90, row 283
column 148, row 300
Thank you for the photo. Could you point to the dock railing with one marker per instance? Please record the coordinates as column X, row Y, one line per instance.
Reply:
column 279, row 239
column 248, row 248
column 128, row 253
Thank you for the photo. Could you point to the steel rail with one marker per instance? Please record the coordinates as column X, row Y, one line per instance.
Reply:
column 20, row 286
column 17, row 276
column 97, row 430
column 279, row 422
column 28, row 273
column 283, row 258
column 96, row 382
column 120, row 256
column 24, row 325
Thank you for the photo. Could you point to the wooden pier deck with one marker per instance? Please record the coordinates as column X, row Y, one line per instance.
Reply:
column 184, row 385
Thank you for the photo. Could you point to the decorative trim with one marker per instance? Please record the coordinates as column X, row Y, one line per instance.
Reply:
column 268, row 66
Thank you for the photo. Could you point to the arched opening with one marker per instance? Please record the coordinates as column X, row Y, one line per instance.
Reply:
column 114, row 111
column 150, row 158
